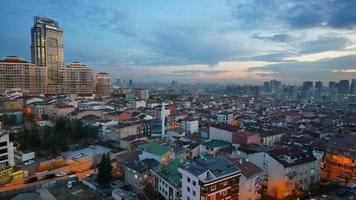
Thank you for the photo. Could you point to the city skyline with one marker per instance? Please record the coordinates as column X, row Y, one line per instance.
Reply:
column 213, row 41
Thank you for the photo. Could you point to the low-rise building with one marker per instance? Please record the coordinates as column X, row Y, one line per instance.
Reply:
column 340, row 157
column 159, row 152
column 167, row 179
column 190, row 125
column 225, row 117
column 210, row 178
column 250, row 180
column 291, row 172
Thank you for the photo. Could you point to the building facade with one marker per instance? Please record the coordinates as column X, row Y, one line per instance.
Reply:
column 47, row 51
column 340, row 157
column 102, row 84
column 78, row 79
column 210, row 178
column 17, row 73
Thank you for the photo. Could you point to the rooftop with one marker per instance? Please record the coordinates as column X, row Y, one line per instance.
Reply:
column 155, row 148
column 345, row 142
column 216, row 143
column 248, row 169
column 170, row 172
column 209, row 168
column 290, row 157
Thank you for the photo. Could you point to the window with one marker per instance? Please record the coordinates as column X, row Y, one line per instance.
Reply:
column 224, row 192
column 188, row 179
column 3, row 151
column 193, row 193
column 213, row 188
column 2, row 144
column 194, row 183
column 224, row 183
column 188, row 189
column 4, row 157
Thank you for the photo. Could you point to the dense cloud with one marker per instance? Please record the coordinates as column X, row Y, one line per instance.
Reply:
column 117, row 34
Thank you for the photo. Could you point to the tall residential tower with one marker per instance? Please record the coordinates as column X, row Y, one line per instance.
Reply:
column 47, row 51
column 102, row 84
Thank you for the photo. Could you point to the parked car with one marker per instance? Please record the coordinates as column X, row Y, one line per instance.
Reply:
column 60, row 174
column 342, row 192
column 31, row 180
column 71, row 172
column 91, row 174
column 49, row 176
column 351, row 187
column 73, row 178
column 29, row 162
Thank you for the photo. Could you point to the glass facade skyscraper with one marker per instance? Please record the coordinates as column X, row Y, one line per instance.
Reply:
column 47, row 51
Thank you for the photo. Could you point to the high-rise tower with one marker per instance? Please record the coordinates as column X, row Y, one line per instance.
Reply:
column 47, row 51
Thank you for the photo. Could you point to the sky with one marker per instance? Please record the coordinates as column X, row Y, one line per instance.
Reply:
column 235, row 41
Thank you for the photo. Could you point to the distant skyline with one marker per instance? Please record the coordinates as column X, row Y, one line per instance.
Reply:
column 243, row 41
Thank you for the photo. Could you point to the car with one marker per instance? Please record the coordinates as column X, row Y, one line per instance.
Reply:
column 49, row 176
column 39, row 173
column 29, row 162
column 71, row 172
column 325, row 183
column 351, row 187
column 69, row 184
column 324, row 197
column 91, row 174
column 31, row 180
column 60, row 174
column 73, row 178
column 342, row 192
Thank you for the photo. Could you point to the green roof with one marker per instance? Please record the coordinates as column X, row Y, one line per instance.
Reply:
column 170, row 171
column 155, row 148
column 216, row 143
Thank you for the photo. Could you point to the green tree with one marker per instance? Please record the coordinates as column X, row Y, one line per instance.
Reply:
column 104, row 170
column 149, row 192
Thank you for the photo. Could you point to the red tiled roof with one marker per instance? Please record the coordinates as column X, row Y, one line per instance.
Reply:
column 247, row 168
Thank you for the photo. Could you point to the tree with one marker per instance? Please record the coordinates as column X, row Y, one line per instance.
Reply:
column 149, row 191
column 104, row 170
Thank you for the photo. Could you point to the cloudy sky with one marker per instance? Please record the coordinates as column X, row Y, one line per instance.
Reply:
column 244, row 41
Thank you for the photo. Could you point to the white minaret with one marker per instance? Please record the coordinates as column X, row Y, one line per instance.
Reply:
column 163, row 118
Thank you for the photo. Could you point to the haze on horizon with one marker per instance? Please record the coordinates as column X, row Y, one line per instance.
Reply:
column 203, row 40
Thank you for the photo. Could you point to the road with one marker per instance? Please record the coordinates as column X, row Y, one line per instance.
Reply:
column 81, row 169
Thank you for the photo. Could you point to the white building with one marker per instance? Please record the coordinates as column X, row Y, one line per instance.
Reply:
column 210, row 178
column 167, row 181
column 250, row 185
column 224, row 117
column 138, row 103
column 6, row 150
column 291, row 171
column 190, row 125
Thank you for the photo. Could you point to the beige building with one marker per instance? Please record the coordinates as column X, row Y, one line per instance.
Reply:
column 17, row 73
column 102, row 84
column 47, row 51
column 78, row 79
